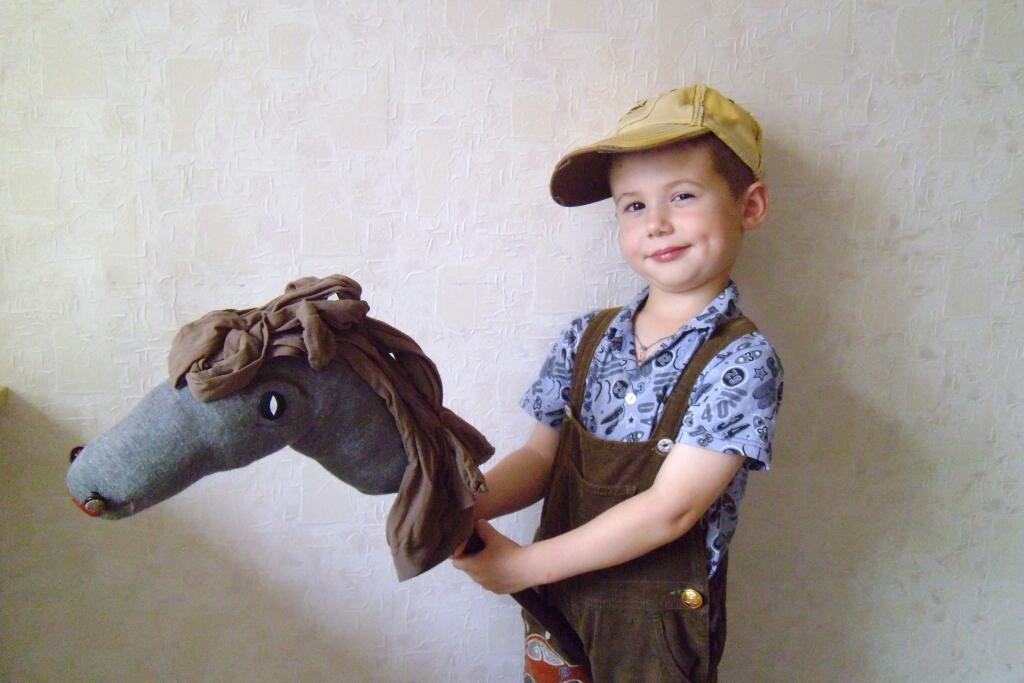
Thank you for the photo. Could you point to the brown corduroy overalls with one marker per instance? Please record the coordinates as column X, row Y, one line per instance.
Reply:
column 655, row 618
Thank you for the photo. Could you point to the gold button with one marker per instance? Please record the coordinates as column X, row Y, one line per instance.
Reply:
column 692, row 598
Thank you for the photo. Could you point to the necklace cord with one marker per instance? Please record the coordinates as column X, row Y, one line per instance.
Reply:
column 642, row 348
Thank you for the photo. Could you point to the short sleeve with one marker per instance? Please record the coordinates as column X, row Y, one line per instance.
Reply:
column 735, row 402
column 547, row 396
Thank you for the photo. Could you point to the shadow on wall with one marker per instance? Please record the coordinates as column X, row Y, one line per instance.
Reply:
column 87, row 599
column 816, row 569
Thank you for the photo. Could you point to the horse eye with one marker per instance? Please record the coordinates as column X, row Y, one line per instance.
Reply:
column 271, row 405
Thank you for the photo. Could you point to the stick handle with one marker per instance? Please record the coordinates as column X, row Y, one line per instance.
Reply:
column 562, row 633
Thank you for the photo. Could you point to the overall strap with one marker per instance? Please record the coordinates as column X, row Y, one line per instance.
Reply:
column 585, row 355
column 679, row 400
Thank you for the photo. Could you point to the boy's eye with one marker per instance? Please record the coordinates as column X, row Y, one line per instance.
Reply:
column 681, row 196
column 633, row 206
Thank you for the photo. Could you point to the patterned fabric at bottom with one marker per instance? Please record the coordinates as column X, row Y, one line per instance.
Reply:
column 545, row 665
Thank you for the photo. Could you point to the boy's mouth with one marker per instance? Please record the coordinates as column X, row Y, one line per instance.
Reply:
column 668, row 254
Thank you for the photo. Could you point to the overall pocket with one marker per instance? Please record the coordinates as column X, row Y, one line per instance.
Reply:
column 684, row 642
column 635, row 644
column 592, row 498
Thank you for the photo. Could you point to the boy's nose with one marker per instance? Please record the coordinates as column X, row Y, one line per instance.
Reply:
column 658, row 223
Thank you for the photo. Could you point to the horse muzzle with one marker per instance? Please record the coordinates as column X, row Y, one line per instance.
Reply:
column 94, row 505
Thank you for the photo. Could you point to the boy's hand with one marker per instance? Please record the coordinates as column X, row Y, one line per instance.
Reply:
column 501, row 567
column 687, row 483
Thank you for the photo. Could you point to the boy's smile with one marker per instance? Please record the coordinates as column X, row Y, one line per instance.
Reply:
column 680, row 226
column 668, row 254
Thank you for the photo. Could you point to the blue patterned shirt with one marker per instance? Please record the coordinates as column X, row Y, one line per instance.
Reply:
column 733, row 407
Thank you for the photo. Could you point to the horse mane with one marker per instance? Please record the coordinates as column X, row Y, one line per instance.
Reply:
column 322, row 319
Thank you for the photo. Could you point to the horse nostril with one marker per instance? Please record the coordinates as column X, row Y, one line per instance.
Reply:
column 95, row 505
column 74, row 452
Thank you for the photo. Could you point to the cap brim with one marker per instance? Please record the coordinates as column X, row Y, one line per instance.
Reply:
column 581, row 176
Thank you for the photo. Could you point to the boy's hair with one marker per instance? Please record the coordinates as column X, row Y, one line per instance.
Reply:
column 732, row 169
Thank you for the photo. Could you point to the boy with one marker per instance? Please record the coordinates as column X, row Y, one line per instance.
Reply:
column 649, row 417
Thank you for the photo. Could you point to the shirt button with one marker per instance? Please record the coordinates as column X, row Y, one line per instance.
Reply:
column 630, row 398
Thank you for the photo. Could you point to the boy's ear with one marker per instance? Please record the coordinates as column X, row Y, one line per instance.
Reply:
column 755, row 205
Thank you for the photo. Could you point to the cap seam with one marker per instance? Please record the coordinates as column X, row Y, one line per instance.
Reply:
column 699, row 105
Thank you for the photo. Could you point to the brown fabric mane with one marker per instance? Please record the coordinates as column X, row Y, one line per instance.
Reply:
column 222, row 352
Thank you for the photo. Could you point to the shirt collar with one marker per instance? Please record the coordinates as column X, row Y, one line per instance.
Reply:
column 722, row 308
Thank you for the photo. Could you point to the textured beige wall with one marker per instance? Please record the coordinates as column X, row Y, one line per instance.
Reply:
column 161, row 159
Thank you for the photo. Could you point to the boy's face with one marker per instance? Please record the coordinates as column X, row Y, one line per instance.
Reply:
column 680, row 227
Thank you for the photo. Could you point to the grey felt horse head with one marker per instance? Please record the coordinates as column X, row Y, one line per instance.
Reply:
column 170, row 439
column 311, row 371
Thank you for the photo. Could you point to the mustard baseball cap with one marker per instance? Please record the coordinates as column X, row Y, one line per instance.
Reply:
column 581, row 176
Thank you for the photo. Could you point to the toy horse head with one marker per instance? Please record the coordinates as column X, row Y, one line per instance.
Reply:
column 309, row 370
column 170, row 439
